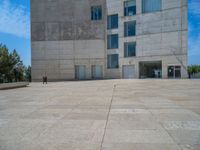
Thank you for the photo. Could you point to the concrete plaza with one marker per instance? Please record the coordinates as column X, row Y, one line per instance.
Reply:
column 102, row 115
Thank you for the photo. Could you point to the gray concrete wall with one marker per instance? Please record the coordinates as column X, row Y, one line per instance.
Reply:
column 160, row 35
column 55, row 20
column 63, row 36
column 58, row 58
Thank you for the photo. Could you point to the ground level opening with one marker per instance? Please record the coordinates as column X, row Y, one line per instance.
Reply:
column 80, row 72
column 97, row 72
column 150, row 69
column 128, row 71
column 174, row 71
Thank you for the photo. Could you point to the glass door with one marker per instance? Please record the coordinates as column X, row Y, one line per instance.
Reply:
column 174, row 72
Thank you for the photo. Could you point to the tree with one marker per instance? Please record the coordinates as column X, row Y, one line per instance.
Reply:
column 193, row 69
column 4, row 62
column 11, row 66
column 189, row 70
column 17, row 66
column 28, row 73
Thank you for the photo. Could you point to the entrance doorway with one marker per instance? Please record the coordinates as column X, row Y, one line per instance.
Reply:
column 80, row 73
column 174, row 71
column 128, row 71
column 150, row 69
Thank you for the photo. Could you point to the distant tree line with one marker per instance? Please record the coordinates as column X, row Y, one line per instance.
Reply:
column 194, row 71
column 12, row 68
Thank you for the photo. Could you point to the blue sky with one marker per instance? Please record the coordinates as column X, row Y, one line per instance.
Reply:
column 15, row 28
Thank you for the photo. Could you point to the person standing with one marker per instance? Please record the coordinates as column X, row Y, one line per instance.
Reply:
column 46, row 79
column 43, row 79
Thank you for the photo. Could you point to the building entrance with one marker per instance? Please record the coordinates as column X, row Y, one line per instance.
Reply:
column 174, row 72
column 150, row 69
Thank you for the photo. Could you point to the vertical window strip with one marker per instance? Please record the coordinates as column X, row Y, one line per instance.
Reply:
column 112, row 41
column 96, row 13
column 129, row 49
column 112, row 21
column 112, row 61
column 130, row 8
column 130, row 28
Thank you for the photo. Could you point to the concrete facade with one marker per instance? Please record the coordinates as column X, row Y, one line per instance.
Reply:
column 64, row 36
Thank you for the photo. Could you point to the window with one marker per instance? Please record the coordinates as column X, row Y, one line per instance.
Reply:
column 129, row 49
column 113, row 61
column 129, row 28
column 112, row 41
column 112, row 21
column 96, row 13
column 130, row 8
column 151, row 5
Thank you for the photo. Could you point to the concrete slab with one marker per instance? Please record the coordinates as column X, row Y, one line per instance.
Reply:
column 138, row 146
column 102, row 115
column 138, row 136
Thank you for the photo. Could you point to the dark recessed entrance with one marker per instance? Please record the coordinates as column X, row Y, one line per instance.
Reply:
column 174, row 71
column 150, row 69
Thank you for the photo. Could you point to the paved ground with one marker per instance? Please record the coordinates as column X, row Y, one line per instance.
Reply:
column 102, row 115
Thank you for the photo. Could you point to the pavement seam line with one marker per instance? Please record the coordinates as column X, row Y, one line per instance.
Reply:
column 107, row 118
column 158, row 121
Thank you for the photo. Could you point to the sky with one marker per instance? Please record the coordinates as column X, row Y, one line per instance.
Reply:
column 15, row 28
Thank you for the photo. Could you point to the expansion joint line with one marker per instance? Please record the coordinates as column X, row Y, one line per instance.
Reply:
column 107, row 118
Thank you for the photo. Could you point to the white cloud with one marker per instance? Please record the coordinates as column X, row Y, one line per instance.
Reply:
column 14, row 19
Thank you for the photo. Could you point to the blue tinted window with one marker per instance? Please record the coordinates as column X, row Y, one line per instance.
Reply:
column 113, row 21
column 96, row 13
column 129, row 28
column 130, row 8
column 112, row 41
column 113, row 61
column 129, row 49
column 151, row 5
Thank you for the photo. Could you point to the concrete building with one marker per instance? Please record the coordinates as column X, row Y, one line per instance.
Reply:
column 92, row 39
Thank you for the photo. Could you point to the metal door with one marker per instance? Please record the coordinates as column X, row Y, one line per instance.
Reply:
column 80, row 72
column 128, row 71
column 97, row 72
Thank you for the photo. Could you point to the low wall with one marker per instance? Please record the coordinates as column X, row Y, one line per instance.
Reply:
column 6, row 86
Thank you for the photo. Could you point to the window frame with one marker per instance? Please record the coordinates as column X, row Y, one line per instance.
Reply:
column 126, row 28
column 154, row 11
column 110, row 41
column 95, row 9
column 174, row 74
column 126, row 9
column 109, row 62
column 126, row 49
column 109, row 22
